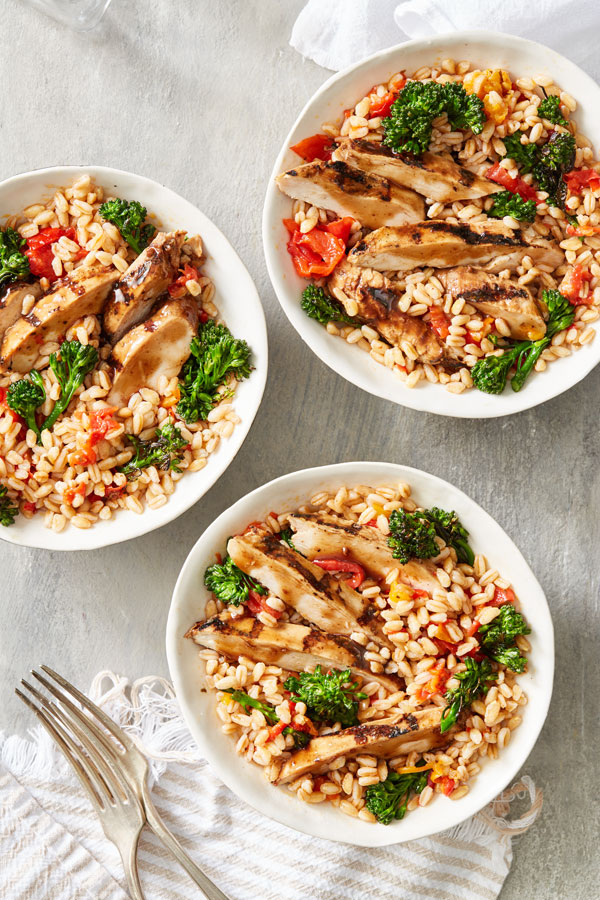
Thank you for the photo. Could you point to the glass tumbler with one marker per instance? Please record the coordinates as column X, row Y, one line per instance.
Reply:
column 82, row 15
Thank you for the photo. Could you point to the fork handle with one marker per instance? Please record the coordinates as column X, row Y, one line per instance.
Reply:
column 172, row 844
column 129, row 856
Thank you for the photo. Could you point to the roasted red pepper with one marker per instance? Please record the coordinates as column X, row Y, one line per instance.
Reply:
column 578, row 179
column 178, row 288
column 573, row 283
column 315, row 253
column 318, row 146
column 332, row 564
column 257, row 603
column 499, row 174
column 439, row 321
column 39, row 251
column 340, row 228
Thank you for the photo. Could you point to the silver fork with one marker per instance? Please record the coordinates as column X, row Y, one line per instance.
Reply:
column 117, row 762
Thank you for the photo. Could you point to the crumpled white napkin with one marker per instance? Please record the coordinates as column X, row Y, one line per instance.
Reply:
column 338, row 33
column 52, row 846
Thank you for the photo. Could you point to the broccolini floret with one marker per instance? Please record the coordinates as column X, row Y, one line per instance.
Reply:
column 129, row 217
column 161, row 451
column 412, row 535
column 556, row 157
column 408, row 127
column 8, row 508
column 507, row 204
column 388, row 800
column 318, row 305
column 330, row 697
column 25, row 396
column 229, row 584
column 498, row 638
column 301, row 738
column 549, row 109
column 14, row 265
column 214, row 355
column 474, row 683
column 70, row 365
column 449, row 527
column 525, row 155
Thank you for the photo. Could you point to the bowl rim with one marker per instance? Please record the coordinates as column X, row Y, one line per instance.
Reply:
column 440, row 402
column 98, row 537
column 236, row 777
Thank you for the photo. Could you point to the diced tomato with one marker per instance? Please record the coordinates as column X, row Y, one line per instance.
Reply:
column 306, row 726
column 39, row 251
column 274, row 514
column 444, row 647
column 29, row 506
column 204, row 317
column 84, row 457
column 178, row 288
column 583, row 230
column 502, row 596
column 332, row 564
column 257, row 603
column 474, row 627
column 318, row 146
column 439, row 321
column 70, row 494
column 382, row 106
column 372, row 523
column 102, row 423
column 436, row 683
column 572, row 285
column 274, row 730
column 315, row 253
column 252, row 525
column 113, row 490
column 341, row 228
column 447, row 785
column 518, row 186
column 578, row 179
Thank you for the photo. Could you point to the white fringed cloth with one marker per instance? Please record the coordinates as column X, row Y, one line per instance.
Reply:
column 52, row 846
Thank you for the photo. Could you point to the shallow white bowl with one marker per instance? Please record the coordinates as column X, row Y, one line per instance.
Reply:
column 198, row 705
column 238, row 303
column 486, row 50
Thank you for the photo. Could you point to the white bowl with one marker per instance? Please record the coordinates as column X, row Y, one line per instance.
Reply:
column 487, row 50
column 238, row 303
column 198, row 704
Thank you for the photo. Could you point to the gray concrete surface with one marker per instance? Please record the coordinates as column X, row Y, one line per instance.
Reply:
column 199, row 96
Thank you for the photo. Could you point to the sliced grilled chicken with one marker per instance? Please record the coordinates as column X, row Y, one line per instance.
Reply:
column 329, row 604
column 318, row 534
column 157, row 347
column 377, row 299
column 349, row 192
column 82, row 293
column 384, row 738
column 498, row 297
column 145, row 280
column 443, row 245
column 11, row 302
column 436, row 177
column 293, row 647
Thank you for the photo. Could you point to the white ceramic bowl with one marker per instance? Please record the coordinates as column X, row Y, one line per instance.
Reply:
column 486, row 50
column 246, row 779
column 238, row 303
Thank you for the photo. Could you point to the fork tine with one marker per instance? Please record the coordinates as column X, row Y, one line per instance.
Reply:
column 108, row 723
column 71, row 752
column 116, row 784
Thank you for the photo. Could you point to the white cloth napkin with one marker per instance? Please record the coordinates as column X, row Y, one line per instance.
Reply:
column 52, row 846
column 338, row 33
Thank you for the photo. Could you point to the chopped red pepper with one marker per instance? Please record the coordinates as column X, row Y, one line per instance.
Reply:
column 315, row 253
column 257, row 603
column 178, row 288
column 70, row 494
column 341, row 228
column 306, row 726
column 382, row 106
column 583, row 230
column 573, row 283
column 474, row 628
column 502, row 596
column 332, row 564
column 39, row 251
column 447, row 785
column 439, row 321
column 318, row 146
column 518, row 186
column 274, row 730
column 29, row 506
column 204, row 317
column 578, row 179
column 436, row 683
column 102, row 423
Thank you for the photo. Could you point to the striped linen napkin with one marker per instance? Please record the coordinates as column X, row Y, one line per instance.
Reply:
column 52, row 846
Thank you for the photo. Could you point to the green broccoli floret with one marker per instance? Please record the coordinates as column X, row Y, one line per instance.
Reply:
column 507, row 204
column 474, row 683
column 412, row 536
column 525, row 155
column 491, row 373
column 301, row 738
column 214, row 355
column 549, row 109
column 408, row 127
column 285, row 536
column 497, row 639
column 129, row 218
column 388, row 800
column 318, row 305
column 161, row 451
column 449, row 527
column 229, row 584
column 25, row 396
column 8, row 508
column 330, row 697
column 555, row 158
column 14, row 265
column 70, row 365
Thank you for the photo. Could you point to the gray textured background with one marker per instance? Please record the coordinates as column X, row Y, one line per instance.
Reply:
column 199, row 96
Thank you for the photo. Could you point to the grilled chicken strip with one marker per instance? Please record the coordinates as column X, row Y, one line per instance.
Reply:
column 145, row 280
column 331, row 605
column 293, row 647
column 11, row 302
column 318, row 534
column 82, row 293
column 350, row 192
column 384, row 738
column 157, row 347
column 436, row 177
column 498, row 297
column 377, row 299
column 443, row 245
